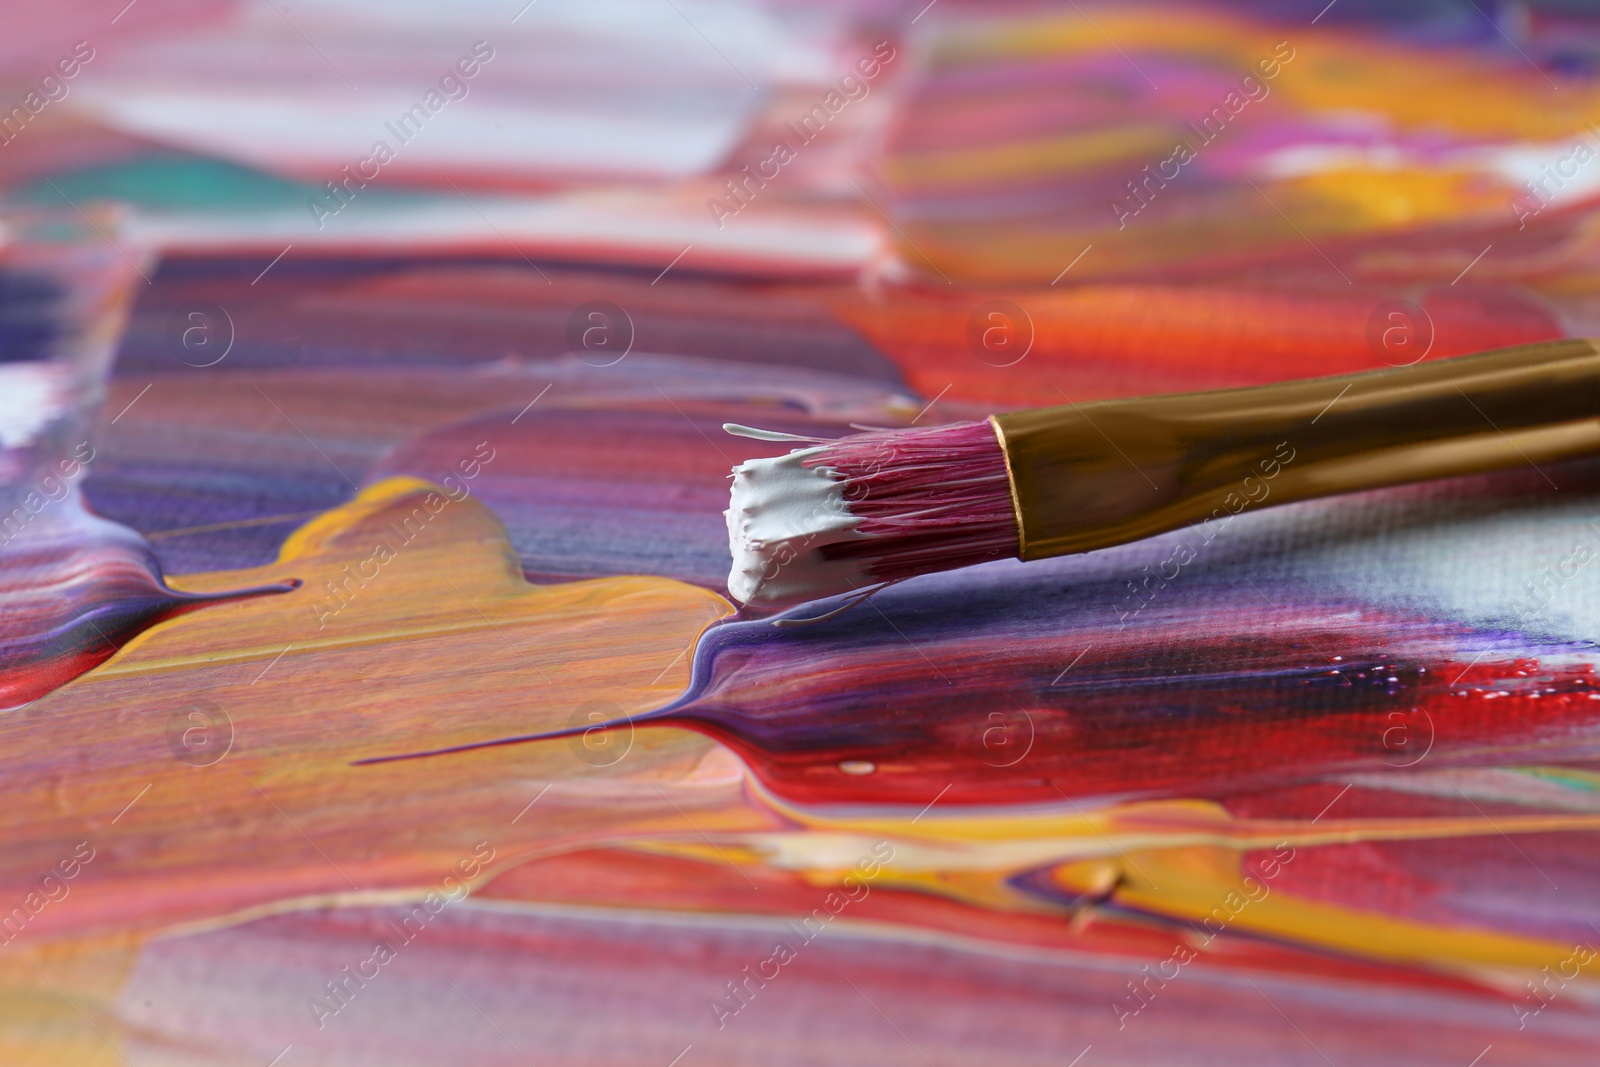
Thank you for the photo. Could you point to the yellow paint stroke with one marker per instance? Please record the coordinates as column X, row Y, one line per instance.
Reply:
column 1191, row 884
column 1461, row 90
column 1134, row 143
column 1176, row 860
column 443, row 644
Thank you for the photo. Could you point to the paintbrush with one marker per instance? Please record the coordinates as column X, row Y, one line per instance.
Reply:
column 880, row 506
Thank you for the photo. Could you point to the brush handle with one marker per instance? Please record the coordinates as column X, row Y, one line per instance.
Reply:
column 1086, row 476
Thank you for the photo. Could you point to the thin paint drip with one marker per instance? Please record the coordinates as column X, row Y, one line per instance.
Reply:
column 949, row 683
column 75, row 588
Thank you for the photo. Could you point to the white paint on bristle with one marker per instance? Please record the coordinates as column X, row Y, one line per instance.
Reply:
column 780, row 515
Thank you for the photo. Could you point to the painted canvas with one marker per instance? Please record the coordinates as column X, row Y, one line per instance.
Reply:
column 363, row 375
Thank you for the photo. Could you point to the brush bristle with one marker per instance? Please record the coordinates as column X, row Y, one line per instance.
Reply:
column 903, row 503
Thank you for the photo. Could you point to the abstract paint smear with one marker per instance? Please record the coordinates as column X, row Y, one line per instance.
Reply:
column 1319, row 786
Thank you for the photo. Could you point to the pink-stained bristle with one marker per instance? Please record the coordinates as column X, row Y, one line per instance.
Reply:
column 927, row 499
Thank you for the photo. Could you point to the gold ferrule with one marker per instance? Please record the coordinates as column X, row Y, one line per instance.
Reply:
column 1087, row 476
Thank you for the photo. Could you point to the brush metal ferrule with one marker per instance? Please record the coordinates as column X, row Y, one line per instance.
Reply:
column 1087, row 476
